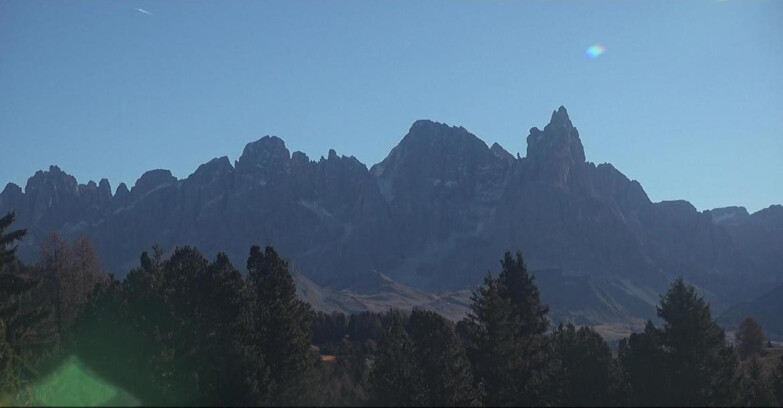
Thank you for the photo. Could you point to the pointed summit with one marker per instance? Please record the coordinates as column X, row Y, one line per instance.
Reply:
column 556, row 149
column 560, row 117
column 558, row 141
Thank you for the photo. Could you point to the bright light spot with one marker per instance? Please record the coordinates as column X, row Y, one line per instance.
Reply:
column 595, row 51
column 73, row 384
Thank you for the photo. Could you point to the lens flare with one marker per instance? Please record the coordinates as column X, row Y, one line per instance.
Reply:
column 595, row 51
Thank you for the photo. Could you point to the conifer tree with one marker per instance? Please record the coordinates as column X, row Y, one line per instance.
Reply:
column 19, row 325
column 447, row 379
column 8, row 239
column 698, row 367
column 702, row 368
column 642, row 359
column 231, row 360
column 284, row 326
column 504, row 335
column 397, row 379
column 581, row 362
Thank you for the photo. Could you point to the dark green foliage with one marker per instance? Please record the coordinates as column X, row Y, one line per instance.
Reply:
column 644, row 368
column 22, row 337
column 504, row 337
column 687, row 362
column 756, row 387
column 345, row 381
column 581, row 367
column 364, row 326
column 177, row 331
column 329, row 328
column 284, row 327
column 517, row 285
column 446, row 374
column 750, row 338
column 396, row 378
column 7, row 240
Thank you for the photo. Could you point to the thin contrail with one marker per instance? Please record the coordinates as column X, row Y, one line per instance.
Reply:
column 143, row 11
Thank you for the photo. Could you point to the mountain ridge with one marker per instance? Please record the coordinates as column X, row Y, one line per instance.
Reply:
column 434, row 215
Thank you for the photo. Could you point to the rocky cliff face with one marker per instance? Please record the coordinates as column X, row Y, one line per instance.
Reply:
column 435, row 214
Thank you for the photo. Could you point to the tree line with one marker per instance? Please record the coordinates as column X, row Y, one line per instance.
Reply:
column 184, row 330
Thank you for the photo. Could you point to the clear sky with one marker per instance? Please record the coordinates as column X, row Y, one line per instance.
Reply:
column 687, row 98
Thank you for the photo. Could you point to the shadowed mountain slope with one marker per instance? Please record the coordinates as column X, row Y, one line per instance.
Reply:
column 432, row 217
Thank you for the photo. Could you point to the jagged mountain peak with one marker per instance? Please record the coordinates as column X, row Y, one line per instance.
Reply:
column 501, row 153
column 54, row 180
column 437, row 133
column 266, row 158
column 217, row 165
column 560, row 117
column 151, row 180
column 435, row 142
column 552, row 153
column 122, row 190
column 559, row 141
column 265, row 149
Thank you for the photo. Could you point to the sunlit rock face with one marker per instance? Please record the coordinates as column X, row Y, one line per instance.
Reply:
column 436, row 214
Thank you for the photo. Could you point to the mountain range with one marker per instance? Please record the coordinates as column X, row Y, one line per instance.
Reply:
column 425, row 225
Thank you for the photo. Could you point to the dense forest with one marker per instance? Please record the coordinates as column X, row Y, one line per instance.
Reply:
column 181, row 329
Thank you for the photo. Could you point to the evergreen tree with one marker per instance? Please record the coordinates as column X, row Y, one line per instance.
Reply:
column 581, row 367
column 517, row 285
column 7, row 241
column 504, row 335
column 750, row 338
column 284, row 327
column 698, row 368
column 702, row 368
column 396, row 378
column 20, row 325
column 446, row 374
column 176, row 332
column 232, row 360
column 642, row 359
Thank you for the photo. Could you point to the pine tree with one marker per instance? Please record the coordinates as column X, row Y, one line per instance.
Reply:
column 504, row 335
column 750, row 338
column 581, row 367
column 642, row 359
column 447, row 379
column 517, row 285
column 233, row 365
column 397, row 379
column 702, row 368
column 7, row 240
column 20, row 326
column 687, row 362
column 284, row 326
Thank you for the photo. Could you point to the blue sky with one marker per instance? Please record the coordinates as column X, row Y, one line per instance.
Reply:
column 687, row 98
